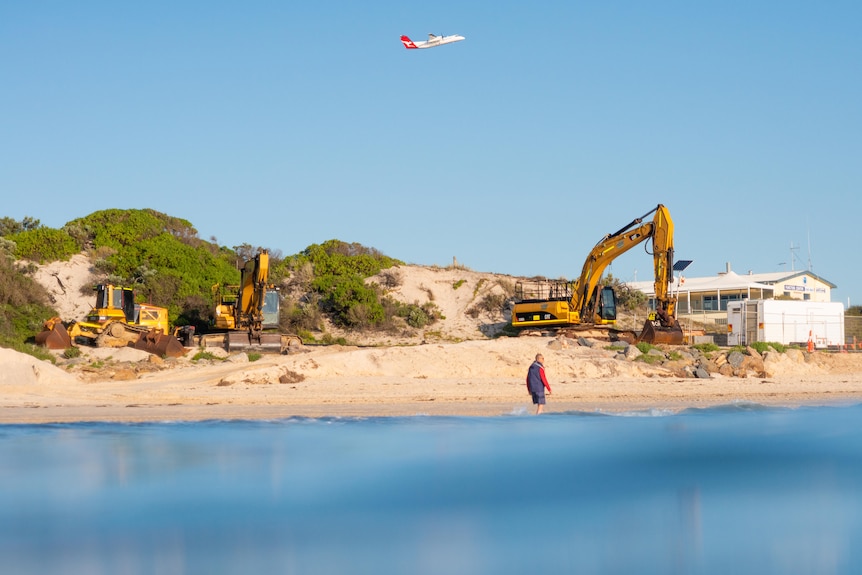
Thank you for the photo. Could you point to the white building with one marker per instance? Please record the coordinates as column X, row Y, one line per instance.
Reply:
column 710, row 295
column 786, row 321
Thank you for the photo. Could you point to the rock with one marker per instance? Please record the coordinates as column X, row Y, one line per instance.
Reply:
column 726, row 370
column 702, row 373
column 129, row 354
column 124, row 374
column 237, row 358
column 218, row 352
column 795, row 355
column 555, row 344
column 687, row 355
column 632, row 352
column 735, row 359
column 753, row 363
column 265, row 375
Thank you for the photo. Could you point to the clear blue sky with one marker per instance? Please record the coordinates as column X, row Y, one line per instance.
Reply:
column 283, row 124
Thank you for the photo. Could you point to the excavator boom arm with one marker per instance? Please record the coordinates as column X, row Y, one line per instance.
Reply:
column 253, row 291
column 663, row 259
column 660, row 230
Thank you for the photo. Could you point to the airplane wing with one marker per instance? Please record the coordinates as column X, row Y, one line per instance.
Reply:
column 431, row 37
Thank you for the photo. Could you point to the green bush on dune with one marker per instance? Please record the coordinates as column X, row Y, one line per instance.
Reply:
column 44, row 245
column 167, row 264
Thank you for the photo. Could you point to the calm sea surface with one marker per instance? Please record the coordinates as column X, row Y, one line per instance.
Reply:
column 737, row 489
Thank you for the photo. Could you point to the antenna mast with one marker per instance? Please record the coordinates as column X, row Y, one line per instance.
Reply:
column 793, row 250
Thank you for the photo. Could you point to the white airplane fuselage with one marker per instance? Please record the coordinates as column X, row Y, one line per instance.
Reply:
column 432, row 42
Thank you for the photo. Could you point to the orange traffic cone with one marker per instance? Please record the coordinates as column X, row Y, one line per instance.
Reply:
column 810, row 342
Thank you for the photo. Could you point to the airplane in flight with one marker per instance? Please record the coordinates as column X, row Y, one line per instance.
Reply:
column 433, row 41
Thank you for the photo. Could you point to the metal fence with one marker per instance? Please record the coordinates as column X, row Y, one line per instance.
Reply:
column 853, row 329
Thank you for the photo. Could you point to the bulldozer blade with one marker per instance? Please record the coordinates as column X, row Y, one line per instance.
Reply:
column 54, row 335
column 157, row 343
column 653, row 334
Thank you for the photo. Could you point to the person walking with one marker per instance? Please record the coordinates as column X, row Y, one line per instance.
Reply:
column 537, row 383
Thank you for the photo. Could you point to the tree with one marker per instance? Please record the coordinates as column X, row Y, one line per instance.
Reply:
column 627, row 298
column 8, row 226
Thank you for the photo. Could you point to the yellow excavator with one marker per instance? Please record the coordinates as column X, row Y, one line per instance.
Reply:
column 584, row 304
column 246, row 316
column 115, row 321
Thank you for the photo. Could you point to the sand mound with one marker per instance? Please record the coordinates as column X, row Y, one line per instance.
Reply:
column 23, row 369
column 503, row 358
column 458, row 293
column 64, row 282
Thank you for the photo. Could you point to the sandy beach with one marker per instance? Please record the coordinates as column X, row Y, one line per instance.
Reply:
column 452, row 368
column 474, row 378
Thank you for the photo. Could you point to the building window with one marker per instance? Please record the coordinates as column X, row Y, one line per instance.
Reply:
column 713, row 303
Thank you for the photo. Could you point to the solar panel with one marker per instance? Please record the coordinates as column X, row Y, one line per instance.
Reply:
column 681, row 265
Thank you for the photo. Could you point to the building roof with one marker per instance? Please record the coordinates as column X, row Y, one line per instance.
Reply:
column 778, row 277
column 729, row 281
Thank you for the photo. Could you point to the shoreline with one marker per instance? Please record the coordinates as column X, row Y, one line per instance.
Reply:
column 468, row 379
column 40, row 413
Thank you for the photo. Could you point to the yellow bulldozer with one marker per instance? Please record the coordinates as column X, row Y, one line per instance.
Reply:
column 115, row 321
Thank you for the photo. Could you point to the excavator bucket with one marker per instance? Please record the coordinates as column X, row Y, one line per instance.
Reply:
column 653, row 332
column 242, row 341
column 157, row 343
column 54, row 335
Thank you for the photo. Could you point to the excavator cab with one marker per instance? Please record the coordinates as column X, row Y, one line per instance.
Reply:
column 607, row 311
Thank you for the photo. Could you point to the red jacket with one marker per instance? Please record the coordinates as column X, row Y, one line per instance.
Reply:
column 536, row 373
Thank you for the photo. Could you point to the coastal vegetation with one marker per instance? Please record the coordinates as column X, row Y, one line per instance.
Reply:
column 169, row 265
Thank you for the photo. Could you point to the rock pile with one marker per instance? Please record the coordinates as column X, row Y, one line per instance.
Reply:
column 686, row 362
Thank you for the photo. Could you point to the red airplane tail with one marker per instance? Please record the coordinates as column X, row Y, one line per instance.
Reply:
column 408, row 43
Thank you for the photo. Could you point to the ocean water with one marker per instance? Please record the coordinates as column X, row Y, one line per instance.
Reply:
column 728, row 490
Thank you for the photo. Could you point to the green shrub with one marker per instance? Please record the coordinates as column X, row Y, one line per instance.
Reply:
column 335, row 257
column 254, row 356
column 351, row 302
column 72, row 352
column 458, row 284
column 163, row 259
column 329, row 339
column 489, row 303
column 30, row 349
column 644, row 347
column 23, row 307
column 205, row 355
column 706, row 347
column 763, row 346
column 159, row 255
column 649, row 359
column 44, row 245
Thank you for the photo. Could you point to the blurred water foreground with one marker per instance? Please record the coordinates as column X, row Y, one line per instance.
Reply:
column 735, row 489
